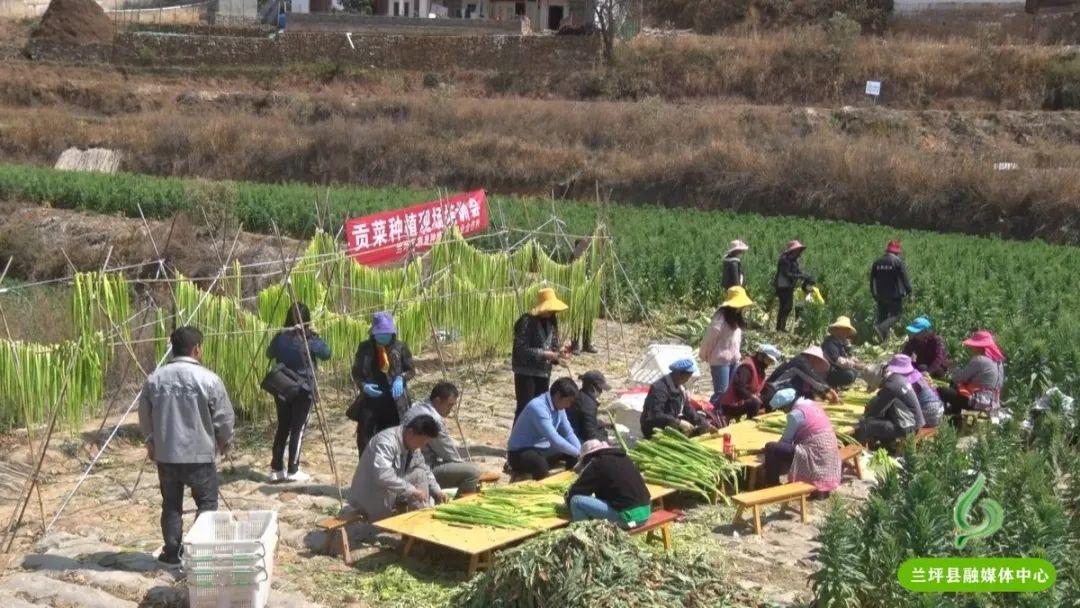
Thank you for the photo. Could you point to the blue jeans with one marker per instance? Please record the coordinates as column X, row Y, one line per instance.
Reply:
column 721, row 380
column 588, row 507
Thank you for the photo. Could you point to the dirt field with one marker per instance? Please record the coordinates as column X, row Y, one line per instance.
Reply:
column 106, row 537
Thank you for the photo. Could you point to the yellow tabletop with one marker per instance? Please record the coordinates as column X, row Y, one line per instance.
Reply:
column 474, row 540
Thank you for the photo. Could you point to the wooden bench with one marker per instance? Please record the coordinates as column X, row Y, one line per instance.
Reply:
column 340, row 526
column 661, row 519
column 852, row 455
column 757, row 499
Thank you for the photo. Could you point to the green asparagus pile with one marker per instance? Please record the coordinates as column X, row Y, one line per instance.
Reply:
column 518, row 505
column 840, row 418
column 673, row 460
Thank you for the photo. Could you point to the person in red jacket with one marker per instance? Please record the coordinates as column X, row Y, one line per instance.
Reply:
column 743, row 397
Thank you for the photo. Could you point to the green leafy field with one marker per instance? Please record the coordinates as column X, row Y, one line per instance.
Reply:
column 1023, row 291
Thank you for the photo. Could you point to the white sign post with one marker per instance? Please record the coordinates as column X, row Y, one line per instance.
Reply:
column 873, row 89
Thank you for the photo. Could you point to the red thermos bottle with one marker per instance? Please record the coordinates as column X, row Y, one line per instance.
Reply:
column 727, row 444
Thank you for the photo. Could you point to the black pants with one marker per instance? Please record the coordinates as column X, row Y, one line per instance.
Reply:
column 292, row 419
column 888, row 313
column 376, row 415
column 527, row 388
column 536, row 463
column 172, row 479
column 787, row 304
column 955, row 403
column 778, row 458
column 839, row 377
column 744, row 407
column 875, row 431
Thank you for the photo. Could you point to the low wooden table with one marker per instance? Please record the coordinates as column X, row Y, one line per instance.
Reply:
column 479, row 542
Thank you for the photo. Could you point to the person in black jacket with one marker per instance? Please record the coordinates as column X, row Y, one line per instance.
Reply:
column 609, row 486
column 667, row 404
column 733, row 270
column 805, row 373
column 381, row 369
column 843, row 366
column 889, row 285
column 536, row 348
column 788, row 276
column 583, row 414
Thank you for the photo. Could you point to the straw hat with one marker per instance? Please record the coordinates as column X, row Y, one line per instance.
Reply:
column 736, row 297
column 844, row 323
column 816, row 352
column 736, row 245
column 794, row 245
column 547, row 301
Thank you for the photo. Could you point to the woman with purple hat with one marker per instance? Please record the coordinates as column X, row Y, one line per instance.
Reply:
column 977, row 386
column 381, row 369
column 894, row 412
column 787, row 278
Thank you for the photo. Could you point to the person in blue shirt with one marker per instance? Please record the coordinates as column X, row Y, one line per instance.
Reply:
column 542, row 436
column 298, row 348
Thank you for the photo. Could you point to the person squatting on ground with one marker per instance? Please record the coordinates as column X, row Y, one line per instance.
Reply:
column 889, row 285
column 185, row 417
column 536, row 348
column 894, row 411
column 298, row 348
column 584, row 413
column 733, row 275
column 392, row 475
column 843, row 366
column 722, row 343
column 787, row 278
column 667, row 403
column 807, row 451
column 977, row 386
column 381, row 370
column 609, row 486
column 926, row 348
column 805, row 373
column 542, row 436
column 743, row 397
column 441, row 453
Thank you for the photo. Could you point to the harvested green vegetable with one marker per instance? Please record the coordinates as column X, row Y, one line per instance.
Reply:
column 671, row 459
column 517, row 505
column 595, row 565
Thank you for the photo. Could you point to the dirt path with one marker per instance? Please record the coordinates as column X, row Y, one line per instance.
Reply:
column 100, row 550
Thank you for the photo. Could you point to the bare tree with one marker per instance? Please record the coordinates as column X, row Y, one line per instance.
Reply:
column 610, row 16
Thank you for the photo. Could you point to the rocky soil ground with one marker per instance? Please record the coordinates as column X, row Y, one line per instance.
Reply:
column 100, row 552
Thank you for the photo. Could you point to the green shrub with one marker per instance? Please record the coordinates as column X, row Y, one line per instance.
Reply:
column 1063, row 82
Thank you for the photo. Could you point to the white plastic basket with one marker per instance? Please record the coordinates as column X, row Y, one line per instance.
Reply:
column 657, row 359
column 229, row 559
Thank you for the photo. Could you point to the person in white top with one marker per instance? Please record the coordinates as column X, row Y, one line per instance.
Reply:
column 722, row 346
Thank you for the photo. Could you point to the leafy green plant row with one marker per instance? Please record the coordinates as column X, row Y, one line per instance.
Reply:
column 1023, row 291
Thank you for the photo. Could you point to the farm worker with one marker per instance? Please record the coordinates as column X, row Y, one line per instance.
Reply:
column 583, row 342
column 743, row 397
column 722, row 344
column 889, row 285
column 542, row 436
column 298, row 348
column 805, row 373
column 584, row 413
column 926, row 348
column 807, row 450
column 929, row 399
column 894, row 411
column 733, row 270
column 837, row 349
column 609, row 486
column 977, row 386
column 393, row 475
column 382, row 367
column 441, row 454
column 788, row 276
column 185, row 416
column 667, row 403
column 536, row 348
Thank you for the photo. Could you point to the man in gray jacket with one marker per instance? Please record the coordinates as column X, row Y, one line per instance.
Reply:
column 185, row 417
column 393, row 474
column 441, row 454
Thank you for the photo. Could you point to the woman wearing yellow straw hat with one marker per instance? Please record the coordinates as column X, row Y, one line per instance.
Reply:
column 843, row 367
column 536, row 348
column 722, row 347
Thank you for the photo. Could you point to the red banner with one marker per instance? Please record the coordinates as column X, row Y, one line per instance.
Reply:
column 391, row 235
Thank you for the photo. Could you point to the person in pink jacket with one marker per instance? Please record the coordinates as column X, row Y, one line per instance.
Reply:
column 807, row 451
column 722, row 346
